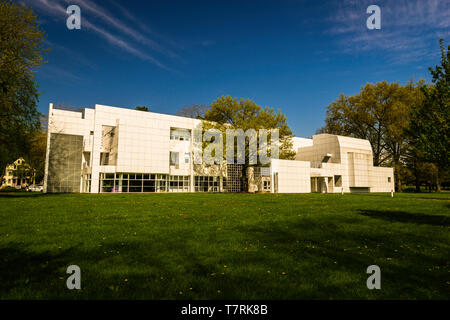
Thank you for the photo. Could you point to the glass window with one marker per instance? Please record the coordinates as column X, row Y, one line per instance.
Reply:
column 206, row 184
column 140, row 182
column 178, row 183
column 180, row 134
column 174, row 158
column 104, row 158
column 338, row 181
column 107, row 185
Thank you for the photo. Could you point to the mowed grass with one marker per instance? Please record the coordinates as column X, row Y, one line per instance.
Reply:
column 225, row 246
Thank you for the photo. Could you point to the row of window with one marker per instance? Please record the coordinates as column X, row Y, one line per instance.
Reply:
column 181, row 138
column 174, row 158
column 87, row 183
column 131, row 182
column 262, row 172
column 208, row 184
column 180, row 134
column 132, row 176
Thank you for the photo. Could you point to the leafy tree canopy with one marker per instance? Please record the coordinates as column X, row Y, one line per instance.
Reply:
column 196, row 111
column 142, row 108
column 21, row 49
column 233, row 113
column 380, row 113
column 430, row 119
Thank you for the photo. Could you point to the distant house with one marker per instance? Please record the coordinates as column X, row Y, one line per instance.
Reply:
column 17, row 174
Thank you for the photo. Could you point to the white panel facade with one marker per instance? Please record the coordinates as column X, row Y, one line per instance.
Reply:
column 293, row 176
column 126, row 150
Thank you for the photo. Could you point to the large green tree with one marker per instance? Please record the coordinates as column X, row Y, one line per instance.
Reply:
column 35, row 156
column 430, row 119
column 196, row 111
column 142, row 108
column 21, row 50
column 233, row 113
column 380, row 113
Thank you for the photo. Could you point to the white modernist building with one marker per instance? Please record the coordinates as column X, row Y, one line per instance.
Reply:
column 109, row 149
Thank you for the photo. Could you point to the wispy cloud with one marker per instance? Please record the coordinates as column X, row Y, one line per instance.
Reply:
column 409, row 28
column 96, row 19
column 144, row 27
column 51, row 71
column 74, row 55
column 103, row 14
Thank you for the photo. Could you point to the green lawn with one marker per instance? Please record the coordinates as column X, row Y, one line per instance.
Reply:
column 225, row 246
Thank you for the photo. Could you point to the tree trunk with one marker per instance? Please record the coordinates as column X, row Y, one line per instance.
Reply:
column 244, row 181
column 438, row 184
column 417, row 178
column 398, row 185
column 398, row 181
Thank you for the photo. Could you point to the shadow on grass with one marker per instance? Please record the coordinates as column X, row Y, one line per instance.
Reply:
column 405, row 272
column 22, row 268
column 406, row 217
column 434, row 198
column 149, row 268
column 160, row 269
column 27, row 194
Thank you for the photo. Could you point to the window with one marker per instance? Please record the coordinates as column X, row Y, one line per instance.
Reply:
column 104, row 158
column 174, row 158
column 87, row 183
column 87, row 158
column 234, row 178
column 389, row 179
column 266, row 186
column 338, row 181
column 206, row 184
column 106, row 182
column 131, row 182
column 187, row 157
column 179, row 184
column 262, row 172
column 180, row 134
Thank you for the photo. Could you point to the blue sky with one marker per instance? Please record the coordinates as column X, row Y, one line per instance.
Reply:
column 294, row 55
